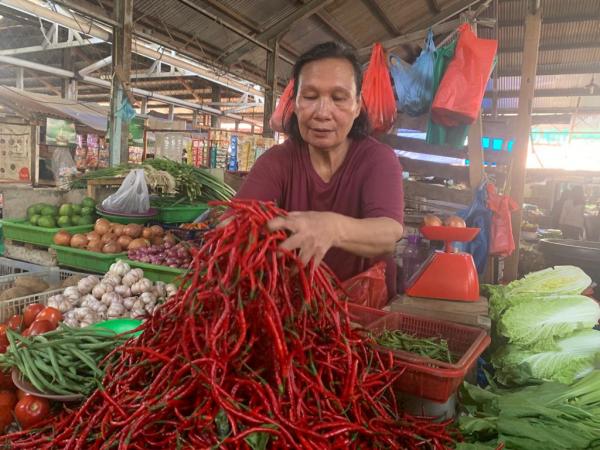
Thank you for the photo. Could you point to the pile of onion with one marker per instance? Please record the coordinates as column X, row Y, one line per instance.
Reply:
column 167, row 254
column 431, row 220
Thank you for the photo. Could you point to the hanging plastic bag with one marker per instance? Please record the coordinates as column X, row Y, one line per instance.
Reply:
column 284, row 109
column 458, row 99
column 377, row 92
column 414, row 84
column 502, row 242
column 478, row 215
column 132, row 196
column 368, row 288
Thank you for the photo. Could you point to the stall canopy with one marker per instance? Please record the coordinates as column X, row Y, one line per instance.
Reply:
column 30, row 106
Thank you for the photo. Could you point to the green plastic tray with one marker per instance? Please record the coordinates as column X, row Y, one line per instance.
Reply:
column 126, row 220
column 156, row 272
column 181, row 213
column 84, row 259
column 21, row 231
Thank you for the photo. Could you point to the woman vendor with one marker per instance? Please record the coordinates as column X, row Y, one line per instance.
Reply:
column 343, row 188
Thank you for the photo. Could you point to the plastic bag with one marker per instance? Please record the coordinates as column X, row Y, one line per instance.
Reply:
column 414, row 84
column 502, row 242
column 436, row 133
column 284, row 109
column 63, row 166
column 458, row 99
column 368, row 288
column 377, row 92
column 478, row 215
column 132, row 196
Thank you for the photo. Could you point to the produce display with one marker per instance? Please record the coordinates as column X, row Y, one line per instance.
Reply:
column 431, row 347
column 110, row 237
column 547, row 327
column 24, row 285
column 122, row 292
column 65, row 215
column 276, row 362
column 65, row 361
column 167, row 254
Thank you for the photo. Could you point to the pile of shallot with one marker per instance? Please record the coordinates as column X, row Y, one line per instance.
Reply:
column 167, row 254
column 122, row 293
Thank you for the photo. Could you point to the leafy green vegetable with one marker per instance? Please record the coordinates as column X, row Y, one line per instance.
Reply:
column 575, row 356
column 537, row 323
column 549, row 416
column 259, row 440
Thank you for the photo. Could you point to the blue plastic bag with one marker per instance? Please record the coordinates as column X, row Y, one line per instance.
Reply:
column 414, row 84
column 479, row 216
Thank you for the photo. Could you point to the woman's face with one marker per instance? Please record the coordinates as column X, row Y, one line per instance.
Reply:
column 327, row 102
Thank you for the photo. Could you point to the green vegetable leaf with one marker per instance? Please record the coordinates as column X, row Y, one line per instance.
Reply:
column 222, row 424
column 260, row 439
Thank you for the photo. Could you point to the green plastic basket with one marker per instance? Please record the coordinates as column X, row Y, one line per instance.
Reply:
column 156, row 272
column 21, row 231
column 181, row 213
column 84, row 259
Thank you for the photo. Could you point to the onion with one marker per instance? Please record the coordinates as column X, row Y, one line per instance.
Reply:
column 170, row 238
column 111, row 247
column 118, row 228
column 79, row 240
column 157, row 230
column 431, row 220
column 63, row 237
column 108, row 237
column 95, row 245
column 147, row 233
column 93, row 236
column 102, row 226
column 124, row 241
column 157, row 240
column 137, row 244
column 133, row 230
column 455, row 221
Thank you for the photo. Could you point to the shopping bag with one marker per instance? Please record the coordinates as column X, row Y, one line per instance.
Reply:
column 478, row 215
column 284, row 109
column 132, row 196
column 458, row 98
column 502, row 242
column 377, row 92
column 368, row 288
column 414, row 84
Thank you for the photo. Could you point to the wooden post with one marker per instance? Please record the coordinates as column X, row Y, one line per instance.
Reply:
column 271, row 90
column 121, row 63
column 516, row 188
column 215, row 122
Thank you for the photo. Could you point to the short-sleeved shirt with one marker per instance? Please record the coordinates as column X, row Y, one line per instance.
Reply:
column 368, row 184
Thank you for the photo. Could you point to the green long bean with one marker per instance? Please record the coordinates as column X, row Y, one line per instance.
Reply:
column 430, row 347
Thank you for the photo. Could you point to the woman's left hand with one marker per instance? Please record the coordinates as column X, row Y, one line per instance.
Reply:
column 313, row 233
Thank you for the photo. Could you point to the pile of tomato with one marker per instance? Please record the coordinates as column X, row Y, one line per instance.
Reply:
column 16, row 405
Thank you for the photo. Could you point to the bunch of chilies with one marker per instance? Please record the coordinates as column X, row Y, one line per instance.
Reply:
column 254, row 351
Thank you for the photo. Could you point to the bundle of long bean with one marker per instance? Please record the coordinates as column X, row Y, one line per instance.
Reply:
column 431, row 347
column 64, row 361
column 256, row 350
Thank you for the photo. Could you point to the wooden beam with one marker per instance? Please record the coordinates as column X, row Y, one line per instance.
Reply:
column 277, row 30
column 533, row 28
column 433, row 6
column 554, row 69
column 340, row 31
column 270, row 91
column 541, row 93
column 381, row 16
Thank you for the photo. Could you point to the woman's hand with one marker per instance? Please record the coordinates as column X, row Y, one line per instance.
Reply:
column 312, row 233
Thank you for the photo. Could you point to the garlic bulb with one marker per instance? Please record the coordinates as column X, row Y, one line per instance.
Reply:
column 113, row 280
column 171, row 289
column 101, row 289
column 86, row 284
column 144, row 285
column 150, row 307
column 137, row 313
column 120, row 268
column 71, row 322
column 111, row 297
column 129, row 302
column 60, row 302
column 129, row 279
column 72, row 292
column 148, row 297
column 160, row 289
column 115, row 310
column 123, row 291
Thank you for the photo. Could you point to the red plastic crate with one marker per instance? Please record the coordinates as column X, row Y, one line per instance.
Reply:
column 364, row 315
column 429, row 378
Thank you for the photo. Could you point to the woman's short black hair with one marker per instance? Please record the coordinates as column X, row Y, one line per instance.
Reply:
column 361, row 127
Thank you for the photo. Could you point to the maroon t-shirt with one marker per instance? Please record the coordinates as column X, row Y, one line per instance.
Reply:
column 368, row 184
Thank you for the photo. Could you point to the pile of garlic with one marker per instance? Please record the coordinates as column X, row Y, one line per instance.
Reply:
column 122, row 293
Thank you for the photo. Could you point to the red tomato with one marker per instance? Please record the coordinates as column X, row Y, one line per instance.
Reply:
column 6, row 418
column 31, row 410
column 25, row 333
column 22, row 394
column 3, row 338
column 6, row 381
column 8, row 398
column 51, row 314
column 31, row 312
column 15, row 322
column 39, row 327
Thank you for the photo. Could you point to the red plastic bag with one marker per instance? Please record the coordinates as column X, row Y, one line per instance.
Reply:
column 502, row 242
column 459, row 96
column 284, row 109
column 377, row 92
column 368, row 288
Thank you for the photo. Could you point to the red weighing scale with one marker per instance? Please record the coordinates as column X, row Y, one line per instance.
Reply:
column 448, row 274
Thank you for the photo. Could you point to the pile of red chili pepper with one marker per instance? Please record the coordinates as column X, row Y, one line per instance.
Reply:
column 256, row 351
